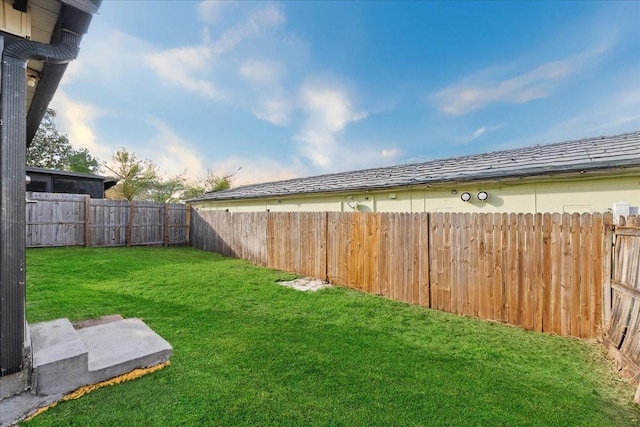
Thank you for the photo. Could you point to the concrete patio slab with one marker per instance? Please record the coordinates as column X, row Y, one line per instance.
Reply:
column 22, row 405
column 65, row 360
column 122, row 346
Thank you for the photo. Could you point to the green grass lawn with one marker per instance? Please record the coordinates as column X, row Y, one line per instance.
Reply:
column 250, row 352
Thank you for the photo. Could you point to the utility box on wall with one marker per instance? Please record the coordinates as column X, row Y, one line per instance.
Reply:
column 13, row 21
column 620, row 209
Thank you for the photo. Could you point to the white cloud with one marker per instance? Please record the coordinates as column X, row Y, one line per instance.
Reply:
column 261, row 72
column 107, row 58
column 170, row 152
column 360, row 156
column 186, row 67
column 619, row 113
column 258, row 21
column 329, row 109
column 271, row 103
column 479, row 132
column 391, row 153
column 77, row 120
column 482, row 89
column 193, row 67
column 211, row 10
column 254, row 171
column 276, row 110
column 482, row 131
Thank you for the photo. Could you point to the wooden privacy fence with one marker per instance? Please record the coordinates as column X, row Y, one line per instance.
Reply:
column 622, row 337
column 77, row 220
column 543, row 272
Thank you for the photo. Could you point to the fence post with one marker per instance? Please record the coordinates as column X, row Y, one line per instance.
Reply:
column 429, row 257
column 166, row 225
column 130, row 225
column 325, row 240
column 188, row 214
column 607, row 260
column 87, row 221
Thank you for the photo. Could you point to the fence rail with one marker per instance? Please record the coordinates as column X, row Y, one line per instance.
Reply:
column 77, row 220
column 543, row 272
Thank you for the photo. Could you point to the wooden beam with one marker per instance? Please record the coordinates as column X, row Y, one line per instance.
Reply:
column 188, row 220
column 628, row 231
column 130, row 224
column 625, row 289
column 166, row 225
column 607, row 271
column 87, row 221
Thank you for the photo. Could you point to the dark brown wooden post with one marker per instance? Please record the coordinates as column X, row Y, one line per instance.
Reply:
column 87, row 221
column 188, row 237
column 166, row 225
column 130, row 224
column 608, row 237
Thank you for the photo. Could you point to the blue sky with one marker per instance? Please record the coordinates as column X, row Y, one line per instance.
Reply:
column 296, row 88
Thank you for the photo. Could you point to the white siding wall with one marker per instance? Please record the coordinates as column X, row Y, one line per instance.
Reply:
column 577, row 195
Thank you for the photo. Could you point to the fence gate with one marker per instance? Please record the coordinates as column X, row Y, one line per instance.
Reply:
column 622, row 336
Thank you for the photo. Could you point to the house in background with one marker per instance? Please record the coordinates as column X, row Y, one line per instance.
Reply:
column 57, row 181
column 588, row 175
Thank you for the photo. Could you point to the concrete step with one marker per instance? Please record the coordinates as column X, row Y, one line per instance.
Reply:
column 65, row 359
column 60, row 358
column 119, row 347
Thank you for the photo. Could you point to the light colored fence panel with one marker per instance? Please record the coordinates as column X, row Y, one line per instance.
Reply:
column 146, row 226
column 55, row 219
column 109, row 222
column 251, row 241
column 74, row 219
column 177, row 220
column 240, row 235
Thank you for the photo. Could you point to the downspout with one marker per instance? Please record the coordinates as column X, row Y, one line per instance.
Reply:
column 13, row 130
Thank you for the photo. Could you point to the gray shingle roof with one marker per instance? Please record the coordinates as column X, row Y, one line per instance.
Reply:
column 589, row 154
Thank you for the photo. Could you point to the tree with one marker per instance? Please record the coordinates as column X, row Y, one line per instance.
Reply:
column 168, row 190
column 217, row 183
column 81, row 161
column 135, row 177
column 141, row 180
column 210, row 184
column 192, row 191
column 51, row 149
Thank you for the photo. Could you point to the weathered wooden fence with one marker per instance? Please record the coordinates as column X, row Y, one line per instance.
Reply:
column 541, row 272
column 77, row 220
column 622, row 337
column 239, row 236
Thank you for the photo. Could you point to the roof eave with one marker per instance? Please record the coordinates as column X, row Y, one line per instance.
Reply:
column 75, row 16
column 586, row 170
